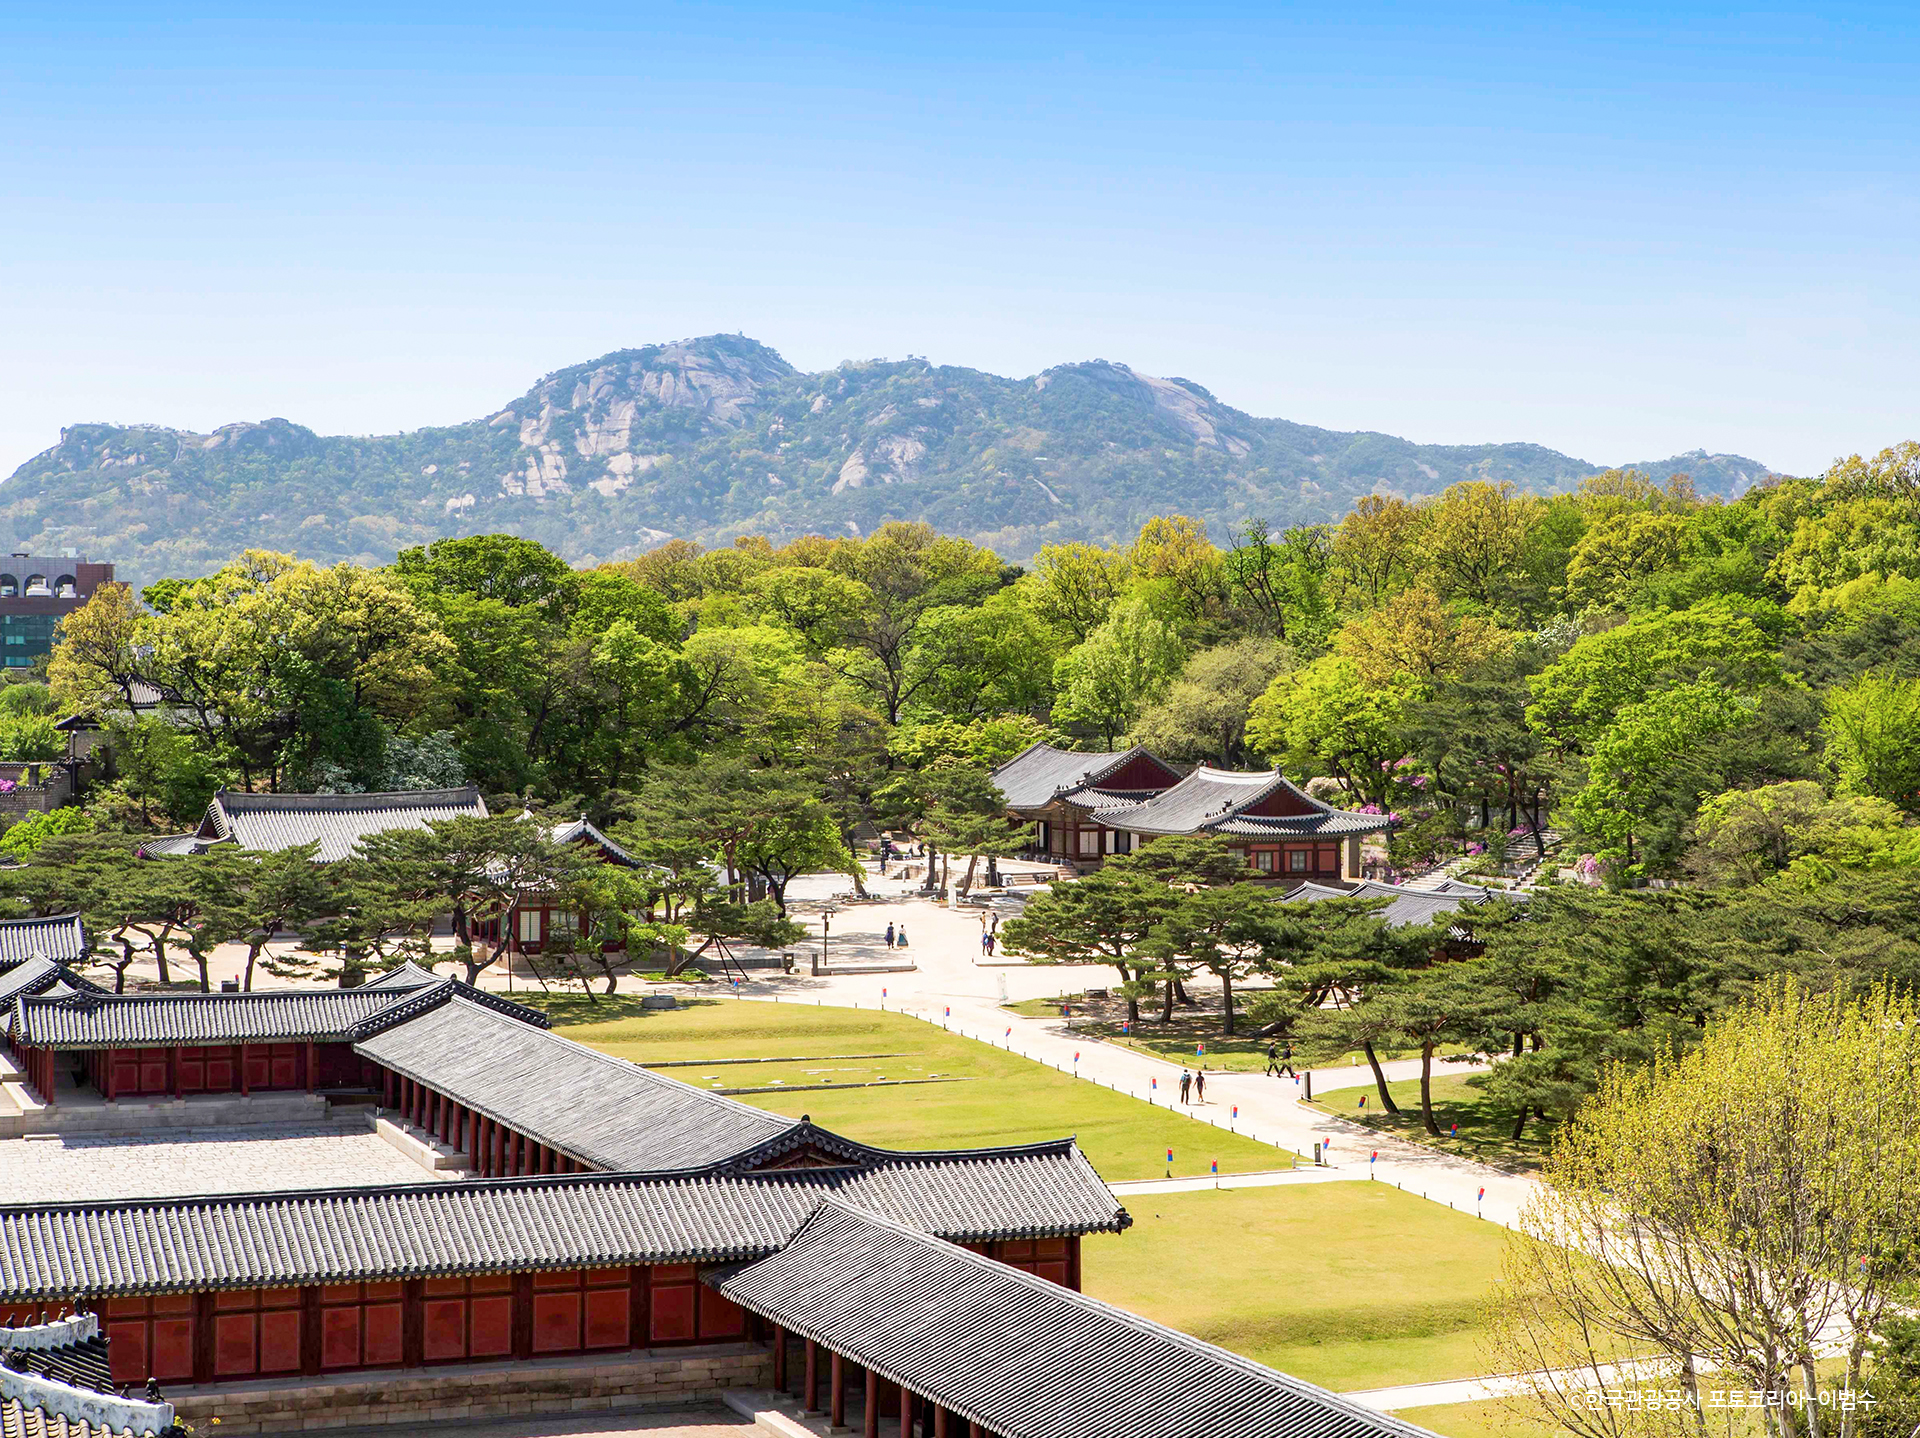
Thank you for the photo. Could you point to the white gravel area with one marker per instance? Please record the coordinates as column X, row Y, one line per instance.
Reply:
column 193, row 1161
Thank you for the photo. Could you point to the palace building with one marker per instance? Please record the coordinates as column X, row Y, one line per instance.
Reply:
column 1085, row 807
column 609, row 1237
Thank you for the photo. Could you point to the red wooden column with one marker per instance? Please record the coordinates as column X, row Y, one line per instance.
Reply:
column 810, row 1384
column 870, row 1427
column 173, row 1070
column 837, row 1399
column 779, row 1358
column 245, row 1087
column 939, row 1421
column 313, row 1067
column 110, row 1076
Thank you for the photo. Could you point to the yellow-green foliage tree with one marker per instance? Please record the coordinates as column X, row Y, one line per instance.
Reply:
column 1743, row 1217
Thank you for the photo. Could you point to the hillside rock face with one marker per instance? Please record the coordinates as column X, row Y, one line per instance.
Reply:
column 713, row 437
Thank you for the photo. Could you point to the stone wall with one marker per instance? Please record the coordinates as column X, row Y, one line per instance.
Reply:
column 646, row 1378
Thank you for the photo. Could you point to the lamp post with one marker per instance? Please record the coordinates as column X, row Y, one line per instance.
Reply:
column 826, row 916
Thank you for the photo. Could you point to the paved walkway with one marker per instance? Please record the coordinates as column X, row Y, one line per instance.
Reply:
column 952, row 987
column 676, row 1423
column 944, row 944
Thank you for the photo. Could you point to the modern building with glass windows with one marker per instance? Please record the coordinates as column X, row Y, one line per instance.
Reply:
column 36, row 592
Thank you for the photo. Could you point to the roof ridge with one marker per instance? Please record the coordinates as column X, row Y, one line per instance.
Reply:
column 227, row 797
column 427, row 1187
column 833, row 1206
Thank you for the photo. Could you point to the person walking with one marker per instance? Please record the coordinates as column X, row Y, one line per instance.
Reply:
column 1186, row 1085
column 1286, row 1059
column 1200, row 1086
column 902, row 940
column 993, row 942
column 889, row 933
column 1279, row 1064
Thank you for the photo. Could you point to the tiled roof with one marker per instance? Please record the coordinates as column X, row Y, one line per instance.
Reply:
column 1019, row 1355
column 589, row 1105
column 1031, row 779
column 171, row 846
column 93, row 1020
column 41, row 976
column 59, row 937
column 576, row 829
column 55, row 1383
column 92, row 1249
column 1407, row 906
column 405, row 975
column 336, row 821
column 1213, row 800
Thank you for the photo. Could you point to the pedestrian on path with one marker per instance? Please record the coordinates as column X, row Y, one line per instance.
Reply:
column 1200, row 1086
column 1280, row 1063
column 889, row 933
column 1186, row 1085
column 993, row 942
column 901, row 941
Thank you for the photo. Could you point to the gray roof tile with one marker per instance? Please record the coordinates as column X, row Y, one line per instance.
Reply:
column 337, row 821
column 1031, row 779
column 94, row 1020
column 1213, row 800
column 1406, row 906
column 81, row 1250
column 59, row 937
column 1017, row 1354
column 592, row 1106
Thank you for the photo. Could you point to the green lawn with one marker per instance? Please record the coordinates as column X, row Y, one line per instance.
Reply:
column 1493, row 1418
column 986, row 1096
column 1348, row 1285
column 1176, row 1042
column 1484, row 1129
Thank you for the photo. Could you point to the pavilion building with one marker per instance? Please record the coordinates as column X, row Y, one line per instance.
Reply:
column 613, row 1238
column 1085, row 807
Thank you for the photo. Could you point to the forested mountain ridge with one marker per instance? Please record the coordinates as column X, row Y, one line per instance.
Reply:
column 718, row 436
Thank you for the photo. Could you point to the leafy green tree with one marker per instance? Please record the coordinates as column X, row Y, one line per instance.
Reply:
column 1415, row 635
column 260, row 897
column 1749, row 835
column 1204, row 715
column 1473, row 535
column 1283, row 585
column 25, row 835
column 1102, row 918
column 1780, row 1157
column 1325, row 718
column 1074, row 587
column 968, row 815
column 1123, row 666
column 794, row 834
column 503, row 567
column 1582, row 692
column 1377, row 547
column 1228, row 931
column 1873, row 737
column 1634, row 759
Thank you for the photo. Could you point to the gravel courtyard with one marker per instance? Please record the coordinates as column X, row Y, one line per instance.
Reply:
column 190, row 1161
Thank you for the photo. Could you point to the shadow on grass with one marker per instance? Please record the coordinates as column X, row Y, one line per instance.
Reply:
column 568, row 1009
column 1471, row 1125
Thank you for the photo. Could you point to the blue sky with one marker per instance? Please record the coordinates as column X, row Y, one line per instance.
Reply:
column 1622, row 231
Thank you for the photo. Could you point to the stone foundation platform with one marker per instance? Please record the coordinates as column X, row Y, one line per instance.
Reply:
column 645, row 1378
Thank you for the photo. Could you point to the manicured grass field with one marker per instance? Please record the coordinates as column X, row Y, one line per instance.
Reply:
column 986, row 1096
column 1484, row 1129
column 1494, row 1418
column 1348, row 1285
column 1176, row 1041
